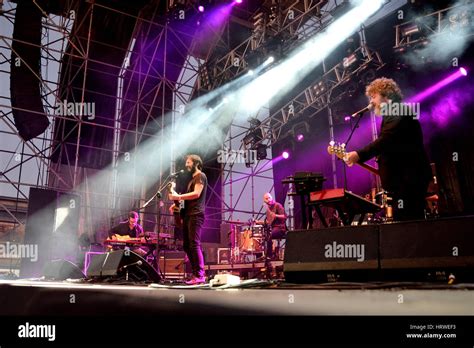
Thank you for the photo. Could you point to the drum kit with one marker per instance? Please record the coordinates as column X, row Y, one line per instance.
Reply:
column 384, row 200
column 247, row 241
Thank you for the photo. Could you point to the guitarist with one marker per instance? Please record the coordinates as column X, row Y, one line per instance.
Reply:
column 193, row 219
column 402, row 160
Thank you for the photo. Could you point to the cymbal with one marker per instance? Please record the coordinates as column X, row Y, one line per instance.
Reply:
column 236, row 222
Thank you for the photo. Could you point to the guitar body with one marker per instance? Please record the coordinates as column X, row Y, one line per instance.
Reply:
column 178, row 212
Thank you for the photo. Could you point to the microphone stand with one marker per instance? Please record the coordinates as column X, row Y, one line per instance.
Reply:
column 158, row 195
column 347, row 142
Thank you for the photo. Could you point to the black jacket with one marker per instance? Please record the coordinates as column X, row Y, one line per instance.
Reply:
column 123, row 229
column 403, row 164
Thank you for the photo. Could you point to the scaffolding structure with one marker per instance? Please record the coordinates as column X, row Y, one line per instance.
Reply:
column 310, row 19
column 63, row 45
column 293, row 22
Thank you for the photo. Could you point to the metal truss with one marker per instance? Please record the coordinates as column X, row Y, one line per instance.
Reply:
column 297, row 22
column 70, row 175
column 443, row 22
column 318, row 96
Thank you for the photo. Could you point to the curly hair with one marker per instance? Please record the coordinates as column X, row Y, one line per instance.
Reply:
column 387, row 88
column 196, row 160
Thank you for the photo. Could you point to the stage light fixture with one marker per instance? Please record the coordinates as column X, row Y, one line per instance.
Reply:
column 410, row 29
column 269, row 61
column 300, row 131
column 261, row 152
column 285, row 154
column 348, row 61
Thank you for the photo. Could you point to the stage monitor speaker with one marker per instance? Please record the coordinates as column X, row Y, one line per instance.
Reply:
column 435, row 245
column 62, row 270
column 122, row 264
column 330, row 254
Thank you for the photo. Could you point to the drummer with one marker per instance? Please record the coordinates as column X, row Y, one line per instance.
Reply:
column 274, row 221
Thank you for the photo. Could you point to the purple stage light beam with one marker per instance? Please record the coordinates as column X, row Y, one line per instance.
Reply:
column 437, row 86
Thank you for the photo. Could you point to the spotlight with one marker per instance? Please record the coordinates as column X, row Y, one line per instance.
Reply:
column 269, row 61
column 201, row 8
column 348, row 61
column 285, row 154
column 300, row 130
column 261, row 152
column 238, row 1
column 410, row 29
column 253, row 137
column 250, row 72
column 463, row 71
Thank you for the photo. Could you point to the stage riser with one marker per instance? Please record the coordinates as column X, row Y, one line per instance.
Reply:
column 419, row 250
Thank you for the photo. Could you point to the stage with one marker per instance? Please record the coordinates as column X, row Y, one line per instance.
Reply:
column 308, row 163
column 41, row 298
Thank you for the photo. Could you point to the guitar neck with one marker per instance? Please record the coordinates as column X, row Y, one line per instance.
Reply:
column 369, row 168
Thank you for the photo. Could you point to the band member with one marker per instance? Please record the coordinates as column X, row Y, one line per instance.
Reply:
column 129, row 229
column 193, row 220
column 403, row 163
column 275, row 220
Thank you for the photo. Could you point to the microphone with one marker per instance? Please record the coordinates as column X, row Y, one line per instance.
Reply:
column 367, row 108
column 177, row 173
column 138, row 263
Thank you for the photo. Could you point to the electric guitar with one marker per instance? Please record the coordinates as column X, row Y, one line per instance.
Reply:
column 178, row 212
column 339, row 150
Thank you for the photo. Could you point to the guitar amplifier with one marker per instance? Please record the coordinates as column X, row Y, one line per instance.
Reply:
column 174, row 264
column 223, row 256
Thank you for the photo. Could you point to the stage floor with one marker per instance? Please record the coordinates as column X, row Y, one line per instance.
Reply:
column 34, row 297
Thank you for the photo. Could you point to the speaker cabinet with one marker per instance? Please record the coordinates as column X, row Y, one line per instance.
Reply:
column 324, row 254
column 173, row 264
column 441, row 243
column 62, row 270
column 122, row 264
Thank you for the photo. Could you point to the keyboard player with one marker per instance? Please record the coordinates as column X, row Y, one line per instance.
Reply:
column 127, row 229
